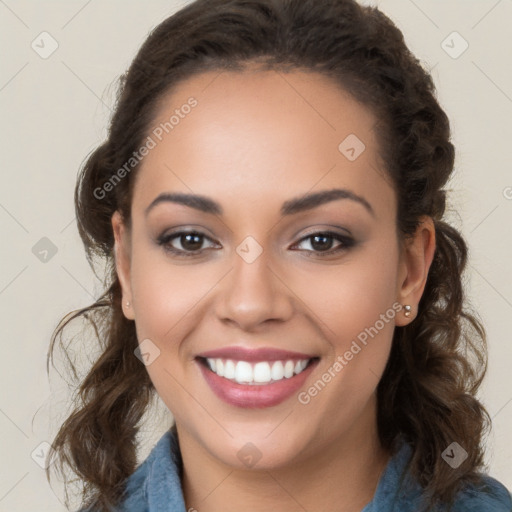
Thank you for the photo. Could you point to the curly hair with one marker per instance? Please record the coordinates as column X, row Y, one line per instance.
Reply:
column 437, row 362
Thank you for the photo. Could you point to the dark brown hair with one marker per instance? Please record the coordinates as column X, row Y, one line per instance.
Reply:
column 437, row 362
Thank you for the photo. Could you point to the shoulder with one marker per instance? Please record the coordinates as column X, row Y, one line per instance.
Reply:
column 137, row 490
column 488, row 496
column 156, row 483
column 138, row 487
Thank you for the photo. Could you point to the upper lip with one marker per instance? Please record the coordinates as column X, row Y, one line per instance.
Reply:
column 261, row 354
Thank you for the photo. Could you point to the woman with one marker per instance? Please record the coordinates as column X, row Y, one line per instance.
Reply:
column 270, row 201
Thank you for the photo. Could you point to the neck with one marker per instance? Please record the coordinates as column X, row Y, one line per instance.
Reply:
column 341, row 476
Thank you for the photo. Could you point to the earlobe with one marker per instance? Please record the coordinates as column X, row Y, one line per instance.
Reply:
column 418, row 254
column 122, row 262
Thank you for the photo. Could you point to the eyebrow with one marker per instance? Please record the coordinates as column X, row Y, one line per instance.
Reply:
column 291, row 207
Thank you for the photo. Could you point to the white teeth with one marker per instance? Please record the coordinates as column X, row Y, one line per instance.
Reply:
column 262, row 372
column 243, row 372
column 229, row 369
column 278, row 371
column 288, row 369
column 219, row 367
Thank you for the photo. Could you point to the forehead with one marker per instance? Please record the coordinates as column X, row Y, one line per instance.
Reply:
column 253, row 134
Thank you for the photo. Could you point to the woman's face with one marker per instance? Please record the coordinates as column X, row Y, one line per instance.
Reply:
column 261, row 148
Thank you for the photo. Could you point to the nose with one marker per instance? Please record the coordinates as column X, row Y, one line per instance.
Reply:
column 254, row 294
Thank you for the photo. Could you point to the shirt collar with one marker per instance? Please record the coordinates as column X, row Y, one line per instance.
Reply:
column 396, row 485
column 164, row 491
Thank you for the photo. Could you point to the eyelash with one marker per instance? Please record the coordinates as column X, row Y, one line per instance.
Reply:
column 347, row 243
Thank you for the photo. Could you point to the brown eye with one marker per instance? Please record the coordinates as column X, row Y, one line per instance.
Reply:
column 322, row 242
column 191, row 241
column 184, row 243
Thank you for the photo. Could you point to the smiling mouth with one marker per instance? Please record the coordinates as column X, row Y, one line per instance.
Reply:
column 256, row 373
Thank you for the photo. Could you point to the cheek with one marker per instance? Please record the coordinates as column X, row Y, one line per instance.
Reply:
column 166, row 294
column 351, row 296
column 353, row 305
column 167, row 298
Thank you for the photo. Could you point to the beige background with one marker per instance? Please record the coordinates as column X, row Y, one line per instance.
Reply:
column 55, row 111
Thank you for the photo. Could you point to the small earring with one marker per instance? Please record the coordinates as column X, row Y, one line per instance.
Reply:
column 127, row 304
column 407, row 310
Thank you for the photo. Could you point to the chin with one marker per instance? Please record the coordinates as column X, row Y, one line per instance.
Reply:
column 258, row 452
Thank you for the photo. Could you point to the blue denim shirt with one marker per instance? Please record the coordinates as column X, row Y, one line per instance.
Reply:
column 155, row 486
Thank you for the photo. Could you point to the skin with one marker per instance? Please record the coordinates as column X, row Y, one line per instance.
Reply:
column 255, row 140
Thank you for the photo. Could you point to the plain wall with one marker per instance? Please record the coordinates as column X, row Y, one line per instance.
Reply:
column 54, row 111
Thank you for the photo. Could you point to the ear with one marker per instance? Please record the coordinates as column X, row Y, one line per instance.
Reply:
column 415, row 260
column 122, row 254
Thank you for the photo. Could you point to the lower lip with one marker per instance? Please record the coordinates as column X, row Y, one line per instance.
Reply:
column 255, row 396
